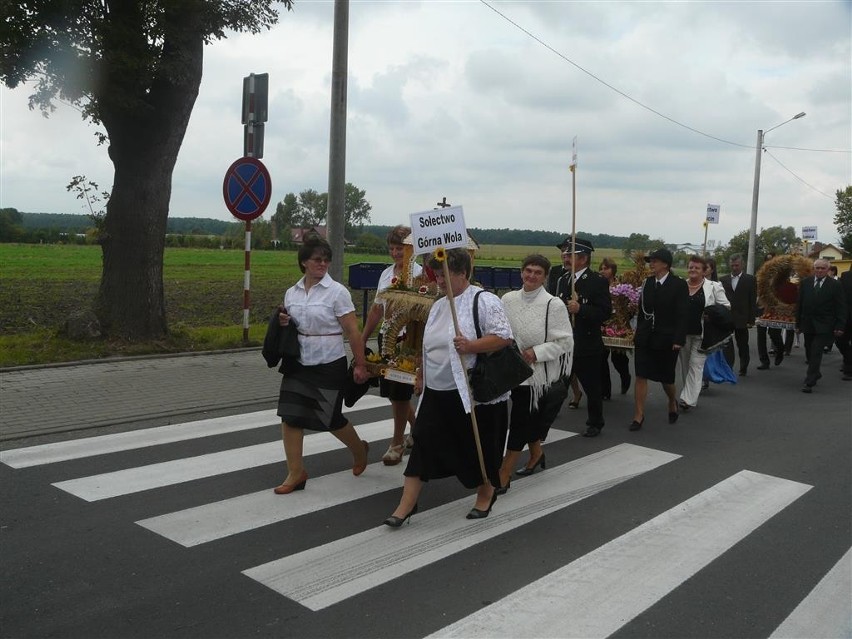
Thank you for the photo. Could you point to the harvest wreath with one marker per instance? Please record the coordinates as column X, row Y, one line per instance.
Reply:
column 778, row 289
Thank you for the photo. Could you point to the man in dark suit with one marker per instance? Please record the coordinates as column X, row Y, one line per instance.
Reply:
column 741, row 290
column 589, row 307
column 660, row 333
column 844, row 342
column 821, row 315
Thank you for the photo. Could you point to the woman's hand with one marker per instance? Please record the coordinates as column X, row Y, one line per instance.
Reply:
column 461, row 344
column 283, row 317
column 360, row 374
column 529, row 356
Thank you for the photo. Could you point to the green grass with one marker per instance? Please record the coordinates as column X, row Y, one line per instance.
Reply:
column 41, row 285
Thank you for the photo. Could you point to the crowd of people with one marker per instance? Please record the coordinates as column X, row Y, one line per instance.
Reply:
column 556, row 321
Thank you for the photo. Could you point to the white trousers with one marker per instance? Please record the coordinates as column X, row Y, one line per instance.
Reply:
column 691, row 369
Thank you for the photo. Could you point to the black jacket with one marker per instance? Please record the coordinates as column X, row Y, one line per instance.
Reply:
column 663, row 313
column 820, row 313
column 595, row 308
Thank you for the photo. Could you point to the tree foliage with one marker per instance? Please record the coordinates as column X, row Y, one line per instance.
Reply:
column 843, row 218
column 134, row 67
column 775, row 239
column 310, row 208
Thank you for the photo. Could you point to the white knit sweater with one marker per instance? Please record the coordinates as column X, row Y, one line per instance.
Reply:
column 527, row 313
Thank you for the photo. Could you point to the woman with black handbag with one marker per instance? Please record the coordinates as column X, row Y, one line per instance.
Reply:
column 444, row 444
column 543, row 332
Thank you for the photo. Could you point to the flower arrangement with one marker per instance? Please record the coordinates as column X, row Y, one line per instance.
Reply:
column 625, row 303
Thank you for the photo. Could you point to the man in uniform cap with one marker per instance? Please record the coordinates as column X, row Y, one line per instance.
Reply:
column 591, row 308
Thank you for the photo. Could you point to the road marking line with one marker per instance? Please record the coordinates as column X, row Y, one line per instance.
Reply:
column 177, row 471
column 117, row 442
column 328, row 574
column 827, row 610
column 216, row 520
column 598, row 593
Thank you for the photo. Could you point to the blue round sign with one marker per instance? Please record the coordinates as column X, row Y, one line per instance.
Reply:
column 247, row 188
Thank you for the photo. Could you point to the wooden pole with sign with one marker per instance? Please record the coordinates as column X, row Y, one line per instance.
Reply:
column 706, row 226
column 573, row 168
column 449, row 289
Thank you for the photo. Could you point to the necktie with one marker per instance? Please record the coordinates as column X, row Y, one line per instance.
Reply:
column 818, row 285
column 734, row 281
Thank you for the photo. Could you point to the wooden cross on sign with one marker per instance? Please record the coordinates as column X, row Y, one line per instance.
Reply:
column 444, row 204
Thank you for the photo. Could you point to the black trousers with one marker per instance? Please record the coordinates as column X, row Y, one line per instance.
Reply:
column 844, row 345
column 814, row 345
column 774, row 337
column 587, row 368
column 620, row 363
column 741, row 337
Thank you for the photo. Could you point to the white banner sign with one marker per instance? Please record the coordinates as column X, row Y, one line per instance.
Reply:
column 438, row 228
column 713, row 213
column 809, row 233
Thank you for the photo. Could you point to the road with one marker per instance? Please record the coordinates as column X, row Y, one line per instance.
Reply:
column 733, row 522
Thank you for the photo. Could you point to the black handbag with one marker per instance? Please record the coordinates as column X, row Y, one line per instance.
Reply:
column 496, row 373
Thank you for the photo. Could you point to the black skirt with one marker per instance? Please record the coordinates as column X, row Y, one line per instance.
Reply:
column 655, row 364
column 443, row 439
column 311, row 397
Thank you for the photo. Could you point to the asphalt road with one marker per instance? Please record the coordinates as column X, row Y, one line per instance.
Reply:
column 734, row 522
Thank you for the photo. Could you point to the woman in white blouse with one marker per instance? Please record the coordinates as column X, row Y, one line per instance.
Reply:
column 444, row 445
column 544, row 336
column 703, row 292
column 399, row 394
column 311, row 395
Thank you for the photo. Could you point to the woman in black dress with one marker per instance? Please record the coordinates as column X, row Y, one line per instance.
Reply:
column 444, row 445
column 660, row 333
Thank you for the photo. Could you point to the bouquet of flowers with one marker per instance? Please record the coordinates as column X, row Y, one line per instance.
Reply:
column 625, row 303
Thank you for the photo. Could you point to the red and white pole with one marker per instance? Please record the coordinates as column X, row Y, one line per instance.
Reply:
column 246, row 284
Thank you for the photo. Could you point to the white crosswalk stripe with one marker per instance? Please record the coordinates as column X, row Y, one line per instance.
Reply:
column 592, row 595
column 231, row 516
column 325, row 575
column 595, row 595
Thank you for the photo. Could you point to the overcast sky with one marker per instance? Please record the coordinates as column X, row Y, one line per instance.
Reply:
column 451, row 99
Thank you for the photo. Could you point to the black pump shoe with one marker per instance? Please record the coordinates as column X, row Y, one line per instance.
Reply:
column 475, row 513
column 396, row 522
column 634, row 425
column 526, row 470
column 503, row 489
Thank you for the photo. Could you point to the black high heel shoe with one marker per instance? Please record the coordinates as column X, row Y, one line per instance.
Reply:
column 575, row 403
column 503, row 489
column 396, row 522
column 475, row 513
column 634, row 425
column 673, row 416
column 527, row 470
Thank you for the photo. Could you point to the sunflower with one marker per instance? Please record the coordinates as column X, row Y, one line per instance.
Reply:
column 440, row 254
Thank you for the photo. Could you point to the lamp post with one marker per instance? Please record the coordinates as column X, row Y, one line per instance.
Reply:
column 752, row 231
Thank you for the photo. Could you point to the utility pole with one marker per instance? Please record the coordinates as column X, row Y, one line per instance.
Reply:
column 336, row 216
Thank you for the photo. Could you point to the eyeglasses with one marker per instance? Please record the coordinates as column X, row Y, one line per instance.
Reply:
column 320, row 260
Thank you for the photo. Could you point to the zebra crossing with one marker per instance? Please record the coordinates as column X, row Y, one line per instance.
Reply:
column 594, row 595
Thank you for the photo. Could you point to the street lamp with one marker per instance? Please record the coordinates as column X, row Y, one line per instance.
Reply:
column 752, row 231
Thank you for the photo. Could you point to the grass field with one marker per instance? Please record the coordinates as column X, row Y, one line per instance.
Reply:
column 40, row 285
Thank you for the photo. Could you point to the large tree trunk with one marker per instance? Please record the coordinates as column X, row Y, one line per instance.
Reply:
column 145, row 136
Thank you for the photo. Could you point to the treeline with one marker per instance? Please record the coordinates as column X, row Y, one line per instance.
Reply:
column 71, row 223
column 188, row 231
column 516, row 237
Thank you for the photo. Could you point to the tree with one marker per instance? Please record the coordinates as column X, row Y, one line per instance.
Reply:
column 843, row 217
column 11, row 225
column 357, row 208
column 636, row 242
column 775, row 239
column 310, row 208
column 134, row 67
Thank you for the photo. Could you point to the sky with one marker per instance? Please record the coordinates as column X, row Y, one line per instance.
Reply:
column 452, row 99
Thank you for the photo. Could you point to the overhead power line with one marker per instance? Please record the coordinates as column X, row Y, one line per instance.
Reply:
column 631, row 98
column 810, row 186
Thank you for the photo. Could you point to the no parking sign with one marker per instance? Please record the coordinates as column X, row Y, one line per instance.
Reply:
column 247, row 188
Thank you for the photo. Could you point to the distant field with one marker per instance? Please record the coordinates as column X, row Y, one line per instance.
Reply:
column 41, row 283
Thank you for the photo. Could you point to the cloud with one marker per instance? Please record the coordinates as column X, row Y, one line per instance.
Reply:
column 451, row 99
